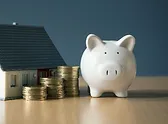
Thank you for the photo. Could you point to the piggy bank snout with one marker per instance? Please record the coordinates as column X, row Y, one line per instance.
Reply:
column 109, row 71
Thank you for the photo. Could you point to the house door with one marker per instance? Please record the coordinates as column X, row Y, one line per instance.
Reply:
column 42, row 73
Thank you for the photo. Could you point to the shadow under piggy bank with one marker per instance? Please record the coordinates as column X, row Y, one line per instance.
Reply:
column 142, row 94
column 148, row 94
column 133, row 94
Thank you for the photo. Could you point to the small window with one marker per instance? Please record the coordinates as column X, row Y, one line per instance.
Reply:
column 25, row 79
column 13, row 80
column 43, row 74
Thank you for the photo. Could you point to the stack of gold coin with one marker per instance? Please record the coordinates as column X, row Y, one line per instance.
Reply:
column 34, row 93
column 55, row 87
column 70, row 74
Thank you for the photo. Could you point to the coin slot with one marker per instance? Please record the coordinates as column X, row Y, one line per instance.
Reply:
column 116, row 72
column 107, row 72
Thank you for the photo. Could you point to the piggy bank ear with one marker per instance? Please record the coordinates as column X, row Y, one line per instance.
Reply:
column 92, row 41
column 127, row 42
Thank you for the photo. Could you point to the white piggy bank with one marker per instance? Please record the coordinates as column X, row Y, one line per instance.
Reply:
column 108, row 66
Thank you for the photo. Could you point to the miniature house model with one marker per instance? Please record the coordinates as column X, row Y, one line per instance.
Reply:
column 26, row 54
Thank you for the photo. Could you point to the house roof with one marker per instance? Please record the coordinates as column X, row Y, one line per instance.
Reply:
column 27, row 47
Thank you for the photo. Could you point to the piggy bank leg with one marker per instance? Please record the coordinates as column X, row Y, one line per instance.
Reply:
column 121, row 94
column 95, row 92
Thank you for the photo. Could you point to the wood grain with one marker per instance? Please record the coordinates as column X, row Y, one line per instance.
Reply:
column 143, row 106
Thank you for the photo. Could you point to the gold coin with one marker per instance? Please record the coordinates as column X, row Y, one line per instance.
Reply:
column 34, row 92
column 55, row 87
column 34, row 98
column 67, row 67
column 51, row 81
column 34, row 88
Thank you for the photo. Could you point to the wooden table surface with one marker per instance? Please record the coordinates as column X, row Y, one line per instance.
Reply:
column 141, row 107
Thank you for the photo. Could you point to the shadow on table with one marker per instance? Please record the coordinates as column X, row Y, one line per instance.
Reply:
column 132, row 94
column 147, row 93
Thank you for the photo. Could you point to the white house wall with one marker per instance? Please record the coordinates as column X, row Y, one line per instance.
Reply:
column 2, row 84
column 17, row 91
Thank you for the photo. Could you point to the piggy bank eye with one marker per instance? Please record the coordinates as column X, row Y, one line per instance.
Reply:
column 118, row 53
column 105, row 52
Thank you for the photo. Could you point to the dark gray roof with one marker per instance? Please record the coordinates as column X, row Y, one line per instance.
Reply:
column 27, row 47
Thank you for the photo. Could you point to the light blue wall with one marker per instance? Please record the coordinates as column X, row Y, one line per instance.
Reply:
column 69, row 22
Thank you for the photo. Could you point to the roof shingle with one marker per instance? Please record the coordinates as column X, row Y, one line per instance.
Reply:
column 27, row 47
